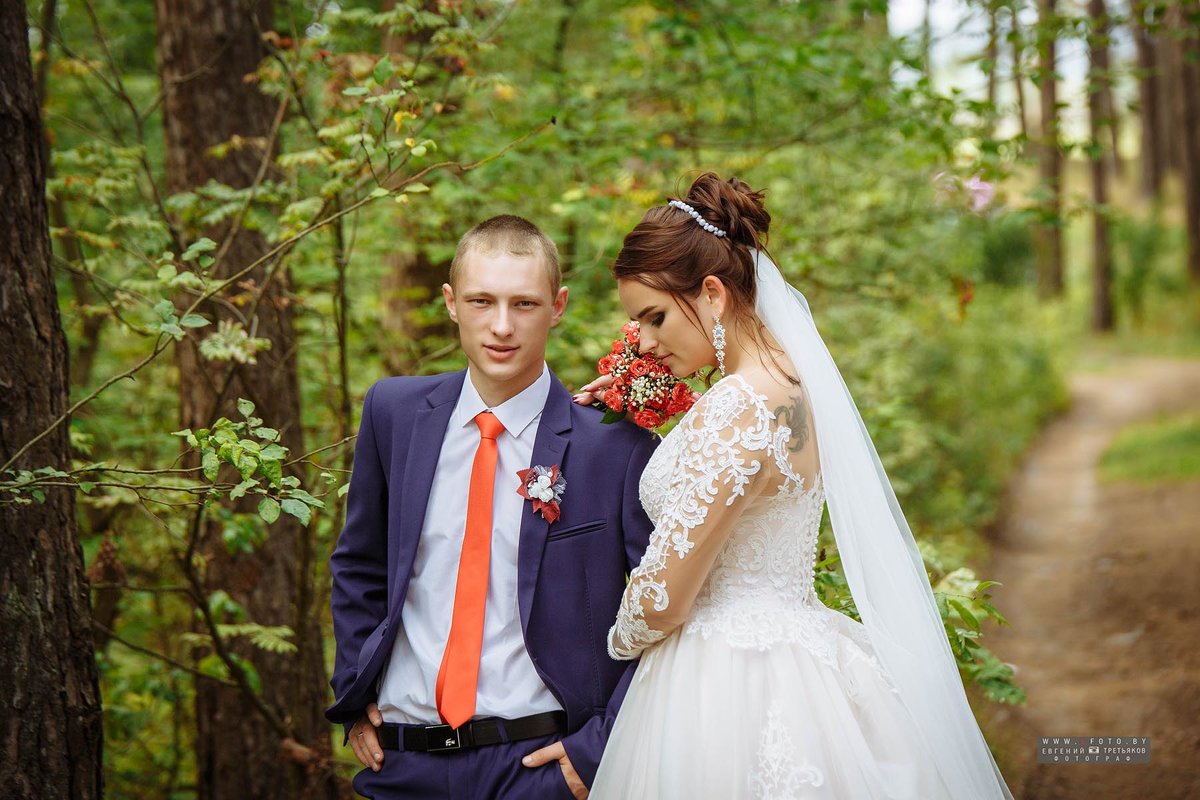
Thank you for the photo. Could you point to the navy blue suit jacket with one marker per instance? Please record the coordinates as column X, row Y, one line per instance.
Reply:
column 570, row 575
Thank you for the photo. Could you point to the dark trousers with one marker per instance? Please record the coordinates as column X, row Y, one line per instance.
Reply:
column 493, row 772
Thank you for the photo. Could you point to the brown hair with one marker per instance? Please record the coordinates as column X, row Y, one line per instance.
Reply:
column 669, row 251
column 509, row 234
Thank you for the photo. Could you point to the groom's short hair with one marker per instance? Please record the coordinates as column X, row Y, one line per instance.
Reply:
column 513, row 235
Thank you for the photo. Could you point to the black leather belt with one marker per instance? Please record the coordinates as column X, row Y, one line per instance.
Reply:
column 476, row 733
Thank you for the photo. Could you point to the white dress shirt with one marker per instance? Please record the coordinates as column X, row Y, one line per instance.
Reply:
column 508, row 685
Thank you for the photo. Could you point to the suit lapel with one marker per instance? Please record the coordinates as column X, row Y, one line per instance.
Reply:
column 549, row 447
column 424, row 447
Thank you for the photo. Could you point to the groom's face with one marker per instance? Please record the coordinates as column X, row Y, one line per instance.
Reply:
column 504, row 306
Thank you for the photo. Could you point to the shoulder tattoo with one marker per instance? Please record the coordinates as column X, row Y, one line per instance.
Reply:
column 795, row 416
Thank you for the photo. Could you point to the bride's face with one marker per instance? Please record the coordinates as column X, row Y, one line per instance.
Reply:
column 675, row 329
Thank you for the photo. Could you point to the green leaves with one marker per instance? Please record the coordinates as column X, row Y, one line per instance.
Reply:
column 268, row 509
column 169, row 323
column 253, row 450
column 963, row 601
column 231, row 342
column 198, row 248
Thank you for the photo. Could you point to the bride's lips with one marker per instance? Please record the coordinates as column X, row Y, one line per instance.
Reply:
column 499, row 352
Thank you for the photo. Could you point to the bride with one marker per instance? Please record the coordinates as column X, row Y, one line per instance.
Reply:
column 748, row 686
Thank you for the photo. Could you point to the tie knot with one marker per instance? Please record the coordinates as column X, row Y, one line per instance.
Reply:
column 489, row 426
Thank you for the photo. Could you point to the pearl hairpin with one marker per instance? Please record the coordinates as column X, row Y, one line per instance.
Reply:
column 701, row 221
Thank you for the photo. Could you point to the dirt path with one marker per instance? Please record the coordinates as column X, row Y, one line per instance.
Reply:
column 1101, row 586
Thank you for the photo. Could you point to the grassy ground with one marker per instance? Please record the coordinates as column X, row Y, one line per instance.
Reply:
column 1167, row 448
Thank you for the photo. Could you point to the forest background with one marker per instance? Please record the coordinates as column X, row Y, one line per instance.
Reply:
column 229, row 218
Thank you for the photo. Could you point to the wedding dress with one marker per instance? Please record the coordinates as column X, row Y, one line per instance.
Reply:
column 748, row 685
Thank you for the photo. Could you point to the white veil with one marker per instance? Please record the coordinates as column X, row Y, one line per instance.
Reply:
column 880, row 559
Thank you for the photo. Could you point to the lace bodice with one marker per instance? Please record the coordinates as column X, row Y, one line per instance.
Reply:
column 736, row 524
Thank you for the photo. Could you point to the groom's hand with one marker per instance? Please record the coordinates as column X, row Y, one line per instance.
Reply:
column 364, row 739
column 556, row 752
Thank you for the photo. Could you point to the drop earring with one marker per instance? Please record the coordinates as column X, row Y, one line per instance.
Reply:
column 718, row 335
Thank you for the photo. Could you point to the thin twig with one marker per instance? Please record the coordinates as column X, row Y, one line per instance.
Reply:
column 162, row 656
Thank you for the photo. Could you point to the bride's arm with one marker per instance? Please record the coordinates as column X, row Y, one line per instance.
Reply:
column 723, row 467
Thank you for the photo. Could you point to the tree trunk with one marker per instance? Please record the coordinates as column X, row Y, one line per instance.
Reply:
column 1171, row 71
column 1149, row 112
column 1018, row 70
column 1186, row 22
column 1110, row 116
column 927, row 38
column 51, row 718
column 1102, row 305
column 1048, row 234
column 413, row 278
column 991, row 55
column 205, row 50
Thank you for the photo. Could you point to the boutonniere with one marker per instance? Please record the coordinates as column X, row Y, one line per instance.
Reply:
column 545, row 487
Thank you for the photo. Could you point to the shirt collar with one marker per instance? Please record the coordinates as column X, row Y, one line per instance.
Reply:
column 514, row 414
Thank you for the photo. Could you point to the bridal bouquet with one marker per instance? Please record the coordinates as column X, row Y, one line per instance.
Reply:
column 642, row 387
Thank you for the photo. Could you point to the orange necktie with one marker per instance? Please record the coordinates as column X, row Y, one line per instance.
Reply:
column 459, row 673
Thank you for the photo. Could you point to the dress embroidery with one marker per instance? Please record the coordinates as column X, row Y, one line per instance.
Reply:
column 778, row 777
column 759, row 592
column 728, row 582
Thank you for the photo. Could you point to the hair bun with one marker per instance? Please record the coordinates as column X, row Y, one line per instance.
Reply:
column 732, row 206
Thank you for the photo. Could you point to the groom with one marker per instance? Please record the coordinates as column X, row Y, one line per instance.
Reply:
column 471, row 623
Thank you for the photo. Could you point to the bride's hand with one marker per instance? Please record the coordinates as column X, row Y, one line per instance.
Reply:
column 591, row 392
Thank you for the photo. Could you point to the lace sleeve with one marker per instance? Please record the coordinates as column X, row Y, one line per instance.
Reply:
column 722, row 466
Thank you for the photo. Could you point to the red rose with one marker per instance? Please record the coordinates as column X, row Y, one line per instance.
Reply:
column 618, row 347
column 620, row 384
column 614, row 400
column 639, row 367
column 647, row 418
column 605, row 365
column 682, row 398
column 660, row 369
column 632, row 334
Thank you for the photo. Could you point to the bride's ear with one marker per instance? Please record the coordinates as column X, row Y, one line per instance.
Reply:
column 714, row 294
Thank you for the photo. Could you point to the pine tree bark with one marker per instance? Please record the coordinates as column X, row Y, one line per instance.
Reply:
column 1170, row 71
column 1149, row 100
column 1048, row 243
column 1102, row 267
column 52, row 737
column 927, row 38
column 1017, row 53
column 206, row 48
column 991, row 54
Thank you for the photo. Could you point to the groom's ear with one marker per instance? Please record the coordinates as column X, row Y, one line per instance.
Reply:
column 560, row 306
column 448, row 296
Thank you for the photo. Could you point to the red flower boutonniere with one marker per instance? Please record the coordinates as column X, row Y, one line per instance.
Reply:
column 545, row 487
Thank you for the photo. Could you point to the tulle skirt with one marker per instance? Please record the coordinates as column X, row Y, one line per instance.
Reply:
column 706, row 719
